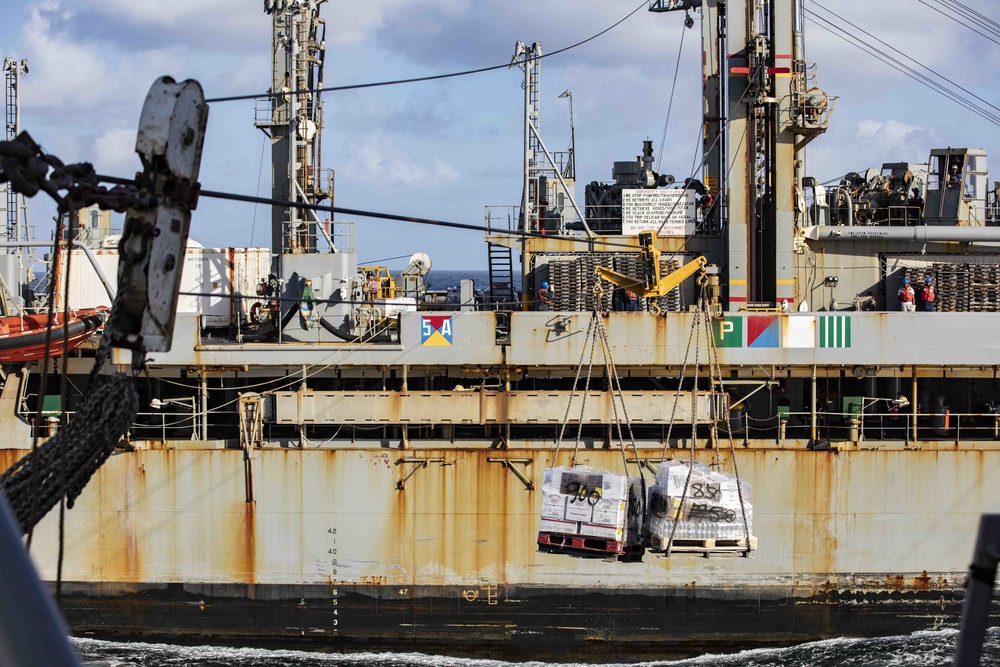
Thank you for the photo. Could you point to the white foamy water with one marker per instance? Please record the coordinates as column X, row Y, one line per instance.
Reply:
column 921, row 649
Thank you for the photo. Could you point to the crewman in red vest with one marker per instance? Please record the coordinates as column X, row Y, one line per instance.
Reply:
column 907, row 297
column 544, row 296
column 928, row 296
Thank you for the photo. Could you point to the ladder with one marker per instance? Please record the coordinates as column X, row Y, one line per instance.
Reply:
column 13, row 70
column 501, row 277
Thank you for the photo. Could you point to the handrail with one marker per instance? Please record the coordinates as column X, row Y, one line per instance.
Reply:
column 78, row 244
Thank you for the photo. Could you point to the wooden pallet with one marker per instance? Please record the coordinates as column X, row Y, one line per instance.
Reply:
column 706, row 546
column 584, row 545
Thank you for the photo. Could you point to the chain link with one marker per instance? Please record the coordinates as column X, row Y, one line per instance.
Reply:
column 29, row 169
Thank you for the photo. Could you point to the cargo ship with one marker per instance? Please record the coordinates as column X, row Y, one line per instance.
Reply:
column 328, row 458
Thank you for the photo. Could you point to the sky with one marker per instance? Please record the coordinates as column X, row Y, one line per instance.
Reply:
column 447, row 149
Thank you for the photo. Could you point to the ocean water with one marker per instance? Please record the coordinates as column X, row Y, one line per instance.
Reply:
column 442, row 280
column 921, row 649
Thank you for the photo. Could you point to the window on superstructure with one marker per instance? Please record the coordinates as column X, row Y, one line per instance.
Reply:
column 937, row 169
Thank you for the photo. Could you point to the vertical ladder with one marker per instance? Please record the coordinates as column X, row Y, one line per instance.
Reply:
column 501, row 277
column 13, row 69
column 536, row 157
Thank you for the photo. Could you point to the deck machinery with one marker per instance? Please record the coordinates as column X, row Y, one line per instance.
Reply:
column 329, row 480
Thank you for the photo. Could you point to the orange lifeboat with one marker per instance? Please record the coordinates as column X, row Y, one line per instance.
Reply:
column 22, row 338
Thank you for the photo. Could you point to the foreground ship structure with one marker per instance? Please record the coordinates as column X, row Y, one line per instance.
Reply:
column 325, row 462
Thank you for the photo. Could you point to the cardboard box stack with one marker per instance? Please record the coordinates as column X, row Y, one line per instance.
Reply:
column 711, row 508
column 589, row 502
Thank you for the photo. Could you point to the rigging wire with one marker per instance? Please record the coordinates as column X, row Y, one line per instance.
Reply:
column 419, row 79
column 44, row 381
column 991, row 25
column 212, row 194
column 924, row 80
column 670, row 104
column 841, row 32
column 260, row 172
column 961, row 23
column 932, row 71
column 63, row 422
column 384, row 259
column 704, row 160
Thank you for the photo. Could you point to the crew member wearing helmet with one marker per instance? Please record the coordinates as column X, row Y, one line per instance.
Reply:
column 915, row 207
column 907, row 297
column 954, row 177
column 928, row 296
column 544, row 296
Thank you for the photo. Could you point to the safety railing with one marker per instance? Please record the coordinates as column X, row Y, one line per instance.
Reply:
column 502, row 219
column 169, row 419
column 307, row 234
column 942, row 424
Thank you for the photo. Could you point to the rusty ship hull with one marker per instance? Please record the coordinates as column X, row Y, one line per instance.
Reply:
column 332, row 554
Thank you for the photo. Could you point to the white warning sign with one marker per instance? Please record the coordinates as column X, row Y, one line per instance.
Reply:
column 648, row 210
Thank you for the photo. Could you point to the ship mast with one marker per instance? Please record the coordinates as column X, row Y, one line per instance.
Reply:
column 757, row 120
column 294, row 122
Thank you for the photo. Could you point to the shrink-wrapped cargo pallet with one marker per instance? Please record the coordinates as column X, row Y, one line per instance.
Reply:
column 711, row 517
column 588, row 510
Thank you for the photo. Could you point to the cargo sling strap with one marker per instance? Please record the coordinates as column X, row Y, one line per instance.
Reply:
column 597, row 334
column 701, row 324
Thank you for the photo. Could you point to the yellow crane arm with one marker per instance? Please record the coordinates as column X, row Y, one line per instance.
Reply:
column 653, row 286
column 675, row 278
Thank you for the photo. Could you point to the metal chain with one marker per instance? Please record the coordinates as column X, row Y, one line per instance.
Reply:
column 616, row 388
column 714, row 359
column 572, row 391
column 38, row 481
column 28, row 170
column 680, row 386
column 694, row 426
column 586, row 389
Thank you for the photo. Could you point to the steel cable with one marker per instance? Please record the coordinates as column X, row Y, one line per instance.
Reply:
column 419, row 79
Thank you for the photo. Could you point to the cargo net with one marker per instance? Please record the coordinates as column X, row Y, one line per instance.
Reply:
column 961, row 288
column 573, row 281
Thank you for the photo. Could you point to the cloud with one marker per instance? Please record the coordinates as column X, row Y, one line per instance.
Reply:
column 869, row 143
column 68, row 76
column 220, row 25
column 892, row 132
column 352, row 24
column 467, row 36
column 377, row 160
column 114, row 152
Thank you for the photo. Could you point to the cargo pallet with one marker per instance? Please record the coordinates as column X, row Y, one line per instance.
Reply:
column 706, row 547
column 585, row 545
